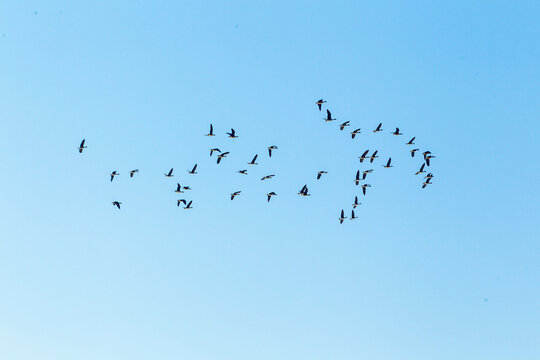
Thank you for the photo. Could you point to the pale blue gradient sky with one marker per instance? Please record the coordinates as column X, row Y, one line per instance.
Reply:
column 449, row 272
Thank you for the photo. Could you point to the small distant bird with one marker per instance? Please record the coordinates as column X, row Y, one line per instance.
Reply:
column 180, row 201
column 356, row 203
column 116, row 203
column 232, row 134
column 342, row 126
column 253, row 161
column 189, row 205
column 243, row 172
column 113, row 174
column 267, row 177
column 169, row 174
column 215, row 149
column 320, row 173
column 236, row 193
column 421, row 170
column 426, row 153
column 193, row 172
column 270, row 195
column 178, row 188
column 367, row 171
column 355, row 132
column 411, row 142
column 364, row 186
column 364, row 156
column 352, row 215
column 211, row 133
column 357, row 179
column 319, row 103
column 397, row 132
column 81, row 147
column 342, row 217
column 426, row 183
column 372, row 157
column 132, row 172
column 429, row 157
column 388, row 163
column 378, row 128
column 221, row 156
column 429, row 176
column 328, row 116
column 413, row 151
column 304, row 191
column 270, row 148
column 186, row 188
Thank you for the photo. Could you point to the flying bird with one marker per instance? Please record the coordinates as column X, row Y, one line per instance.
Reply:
column 180, row 201
column 253, row 161
column 429, row 176
column 267, row 177
column 270, row 195
column 320, row 173
column 113, row 174
column 356, row 203
column 342, row 126
column 426, row 183
column 304, row 191
column 397, row 132
column 421, row 170
column 364, row 156
column 364, row 187
column 236, row 193
column 82, row 147
column 116, row 203
column 411, row 142
column 372, row 157
column 215, row 149
column 186, row 188
column 169, row 174
column 378, row 128
column 429, row 157
column 221, row 156
column 352, row 215
column 342, row 217
column 270, row 148
column 232, row 134
column 388, row 163
column 192, row 172
column 355, row 132
column 328, row 116
column 132, row 172
column 211, row 133
column 319, row 103
column 189, row 205
column 413, row 151
column 357, row 179
column 243, row 172
column 178, row 188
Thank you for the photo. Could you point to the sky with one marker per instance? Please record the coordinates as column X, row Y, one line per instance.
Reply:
column 450, row 271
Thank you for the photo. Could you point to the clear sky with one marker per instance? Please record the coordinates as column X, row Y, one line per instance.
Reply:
column 448, row 272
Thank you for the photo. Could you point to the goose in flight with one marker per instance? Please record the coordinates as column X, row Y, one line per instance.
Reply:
column 342, row 126
column 270, row 195
column 356, row 203
column 189, row 205
column 132, row 172
column 193, row 171
column 342, row 217
column 116, row 203
column 267, row 177
column 186, row 188
column 232, row 134
column 221, row 156
column 270, row 148
column 169, row 174
column 364, row 156
column 328, row 116
column 215, row 149
column 372, row 157
column 429, row 157
column 357, row 179
column 413, row 151
column 82, row 147
column 211, row 133
column 378, row 128
column 113, row 174
column 253, row 161
column 397, row 132
column 319, row 103
column 421, row 170
column 178, row 189
column 236, row 193
column 352, row 215
column 388, row 163
column 411, row 142
column 426, row 183
column 364, row 187
column 426, row 153
column 320, row 173
column 355, row 132
column 180, row 201
column 304, row 191
column 243, row 172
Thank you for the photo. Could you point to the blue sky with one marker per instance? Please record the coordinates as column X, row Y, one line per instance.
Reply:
column 447, row 272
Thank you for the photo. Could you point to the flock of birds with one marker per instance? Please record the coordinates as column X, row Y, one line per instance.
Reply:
column 360, row 175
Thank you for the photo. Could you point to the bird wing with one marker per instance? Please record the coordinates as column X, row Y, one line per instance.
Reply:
column 427, row 161
column 319, row 105
column 194, row 168
column 211, row 129
column 318, row 176
column 379, row 126
column 82, row 143
column 328, row 114
column 232, row 132
column 218, row 160
column 270, row 152
column 422, row 167
column 342, row 214
column 357, row 174
column 170, row 172
column 254, row 158
column 365, row 153
column 189, row 203
column 389, row 161
column 364, row 190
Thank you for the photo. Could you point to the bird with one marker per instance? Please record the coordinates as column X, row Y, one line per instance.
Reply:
column 221, row 156
column 189, row 205
column 320, row 173
column 364, row 186
column 192, row 172
column 367, row 171
column 352, row 215
column 243, row 172
column 372, row 157
column 169, row 174
column 426, row 183
column 270, row 195
column 342, row 217
column 421, row 170
column 413, row 151
column 116, row 203
column 253, row 161
column 236, row 193
column 178, row 188
column 429, row 157
column 355, row 132
column 186, row 188
column 180, row 201
column 328, row 116
column 270, row 148
column 319, row 103
column 232, row 134
column 356, row 203
column 267, row 177
column 304, row 191
column 411, row 142
column 388, row 163
column 364, row 156
column 357, row 179
column 211, row 133
column 132, row 172
column 378, row 128
column 113, row 174
column 215, row 149
column 82, row 147
column 397, row 132
column 429, row 176
column 426, row 153
column 342, row 126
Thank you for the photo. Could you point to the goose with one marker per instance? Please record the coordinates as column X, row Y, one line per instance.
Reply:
column 180, row 201
column 426, row 183
column 367, row 171
column 352, row 215
column 378, row 128
column 397, row 132
column 429, row 176
column 186, row 188
column 364, row 156
column 232, row 134
column 364, row 187
column 421, row 170
column 429, row 157
column 319, row 103
column 270, row 195
column 82, row 147
column 178, row 189
column 426, row 153
column 372, row 157
column 169, row 174
column 342, row 126
column 320, row 173
column 411, row 142
column 236, row 193
column 328, row 116
column 355, row 132
column 189, row 205
column 132, row 172
column 113, row 174
column 116, row 203
column 221, row 156
column 193, row 172
column 253, row 161
column 357, row 179
column 270, row 148
column 413, row 151
column 342, row 217
column 243, row 172
column 215, row 149
column 211, row 133
column 388, row 163
column 356, row 203
column 304, row 191
column 267, row 177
